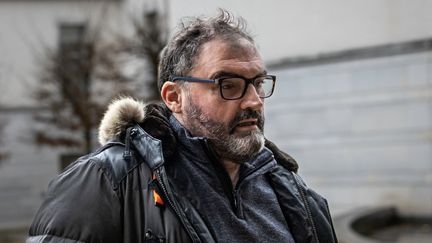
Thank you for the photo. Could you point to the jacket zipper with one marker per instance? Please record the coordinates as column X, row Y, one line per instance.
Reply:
column 243, row 178
column 230, row 191
column 234, row 195
column 174, row 207
column 233, row 190
column 303, row 196
column 241, row 181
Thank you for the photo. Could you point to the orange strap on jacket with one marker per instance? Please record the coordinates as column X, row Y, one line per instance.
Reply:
column 157, row 198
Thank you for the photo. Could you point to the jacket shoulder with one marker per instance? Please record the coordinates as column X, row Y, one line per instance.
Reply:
column 281, row 157
column 116, row 160
column 85, row 184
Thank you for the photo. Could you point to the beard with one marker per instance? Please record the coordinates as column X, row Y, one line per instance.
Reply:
column 238, row 148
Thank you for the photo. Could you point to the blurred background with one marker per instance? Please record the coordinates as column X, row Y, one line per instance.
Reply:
column 353, row 99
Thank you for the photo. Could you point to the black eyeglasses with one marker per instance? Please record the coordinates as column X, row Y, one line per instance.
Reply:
column 235, row 87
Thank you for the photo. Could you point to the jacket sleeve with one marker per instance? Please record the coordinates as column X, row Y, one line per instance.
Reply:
column 81, row 205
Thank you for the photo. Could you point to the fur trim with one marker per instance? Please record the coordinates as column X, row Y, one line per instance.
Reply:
column 120, row 115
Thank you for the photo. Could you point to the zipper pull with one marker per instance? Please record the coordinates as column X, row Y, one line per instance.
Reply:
column 234, row 199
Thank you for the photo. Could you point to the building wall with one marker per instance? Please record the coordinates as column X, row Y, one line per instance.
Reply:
column 361, row 130
column 29, row 28
column 290, row 28
column 25, row 175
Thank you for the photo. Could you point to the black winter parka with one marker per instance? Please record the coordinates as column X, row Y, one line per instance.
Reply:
column 121, row 192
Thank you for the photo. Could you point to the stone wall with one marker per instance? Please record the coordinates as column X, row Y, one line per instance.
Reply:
column 360, row 128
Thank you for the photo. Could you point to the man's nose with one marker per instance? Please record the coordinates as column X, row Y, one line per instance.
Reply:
column 251, row 99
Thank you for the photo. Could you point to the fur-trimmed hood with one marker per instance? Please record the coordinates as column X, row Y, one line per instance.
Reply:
column 153, row 118
column 121, row 114
column 126, row 112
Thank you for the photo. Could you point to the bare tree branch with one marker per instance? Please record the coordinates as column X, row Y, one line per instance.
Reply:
column 150, row 37
column 78, row 80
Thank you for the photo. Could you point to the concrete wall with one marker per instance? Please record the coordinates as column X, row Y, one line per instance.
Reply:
column 25, row 175
column 289, row 28
column 28, row 28
column 361, row 130
column 283, row 28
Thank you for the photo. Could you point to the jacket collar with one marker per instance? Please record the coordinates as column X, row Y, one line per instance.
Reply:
column 199, row 146
column 193, row 145
column 153, row 127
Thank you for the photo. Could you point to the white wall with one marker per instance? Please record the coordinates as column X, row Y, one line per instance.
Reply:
column 283, row 28
column 287, row 28
column 365, row 124
column 360, row 130
column 25, row 175
column 28, row 27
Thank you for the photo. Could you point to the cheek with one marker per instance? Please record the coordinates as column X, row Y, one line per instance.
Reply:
column 214, row 106
column 225, row 112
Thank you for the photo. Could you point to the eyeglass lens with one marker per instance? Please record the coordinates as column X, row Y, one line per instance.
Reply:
column 234, row 88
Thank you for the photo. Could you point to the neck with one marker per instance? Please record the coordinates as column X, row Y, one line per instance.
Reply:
column 233, row 170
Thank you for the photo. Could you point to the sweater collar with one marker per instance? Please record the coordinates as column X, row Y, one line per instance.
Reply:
column 196, row 146
column 200, row 147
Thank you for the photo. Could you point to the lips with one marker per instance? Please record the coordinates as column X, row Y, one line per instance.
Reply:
column 248, row 122
column 246, row 125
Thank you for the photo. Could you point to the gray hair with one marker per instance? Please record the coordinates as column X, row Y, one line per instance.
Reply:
column 179, row 56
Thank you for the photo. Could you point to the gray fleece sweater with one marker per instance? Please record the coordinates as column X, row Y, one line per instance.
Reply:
column 248, row 213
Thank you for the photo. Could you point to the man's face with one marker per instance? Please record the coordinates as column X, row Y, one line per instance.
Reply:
column 233, row 127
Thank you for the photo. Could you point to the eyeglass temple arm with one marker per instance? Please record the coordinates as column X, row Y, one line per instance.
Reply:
column 192, row 79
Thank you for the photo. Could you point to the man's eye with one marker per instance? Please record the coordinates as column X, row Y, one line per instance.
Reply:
column 227, row 85
column 259, row 82
column 232, row 83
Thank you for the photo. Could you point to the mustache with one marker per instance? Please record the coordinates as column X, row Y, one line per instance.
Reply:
column 247, row 114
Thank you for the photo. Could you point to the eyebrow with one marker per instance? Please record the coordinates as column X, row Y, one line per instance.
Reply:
column 220, row 74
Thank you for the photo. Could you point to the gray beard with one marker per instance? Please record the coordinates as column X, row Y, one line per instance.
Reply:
column 238, row 148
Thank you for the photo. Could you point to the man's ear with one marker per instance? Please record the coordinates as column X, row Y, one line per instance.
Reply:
column 171, row 95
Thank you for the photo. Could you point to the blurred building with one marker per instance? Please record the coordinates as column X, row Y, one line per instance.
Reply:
column 27, row 30
column 360, row 124
column 357, row 117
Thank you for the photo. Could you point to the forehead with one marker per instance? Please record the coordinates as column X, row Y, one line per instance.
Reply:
column 240, row 57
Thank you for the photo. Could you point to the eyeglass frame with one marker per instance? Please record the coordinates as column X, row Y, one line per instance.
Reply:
column 218, row 81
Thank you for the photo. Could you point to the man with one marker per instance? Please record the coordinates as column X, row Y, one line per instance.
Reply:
column 196, row 168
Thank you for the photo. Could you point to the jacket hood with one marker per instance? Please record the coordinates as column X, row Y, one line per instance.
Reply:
column 125, row 112
column 121, row 114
